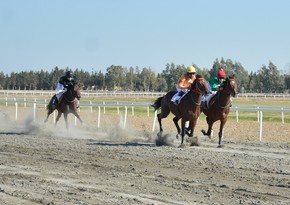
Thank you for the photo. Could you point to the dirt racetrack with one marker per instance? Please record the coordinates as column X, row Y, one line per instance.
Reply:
column 40, row 164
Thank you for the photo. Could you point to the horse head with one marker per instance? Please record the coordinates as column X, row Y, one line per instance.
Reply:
column 231, row 86
column 74, row 90
column 199, row 85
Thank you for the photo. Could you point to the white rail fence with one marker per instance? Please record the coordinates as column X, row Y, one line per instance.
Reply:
column 101, row 93
column 117, row 105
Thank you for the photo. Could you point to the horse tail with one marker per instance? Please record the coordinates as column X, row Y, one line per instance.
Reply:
column 157, row 103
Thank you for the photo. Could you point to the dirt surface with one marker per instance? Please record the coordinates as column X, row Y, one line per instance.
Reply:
column 41, row 164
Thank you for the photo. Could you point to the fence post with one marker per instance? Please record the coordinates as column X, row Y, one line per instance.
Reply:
column 104, row 107
column 16, row 111
column 261, row 124
column 118, row 109
column 34, row 111
column 99, row 116
column 154, row 120
column 91, row 106
column 147, row 111
column 125, row 118
column 237, row 115
column 258, row 117
column 132, row 109
column 282, row 116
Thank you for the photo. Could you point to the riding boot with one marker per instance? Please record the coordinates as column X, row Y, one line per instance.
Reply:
column 54, row 103
column 204, row 105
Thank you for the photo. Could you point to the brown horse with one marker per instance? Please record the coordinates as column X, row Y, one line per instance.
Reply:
column 219, row 107
column 188, row 109
column 67, row 104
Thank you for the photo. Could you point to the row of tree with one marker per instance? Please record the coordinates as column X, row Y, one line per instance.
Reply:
column 267, row 79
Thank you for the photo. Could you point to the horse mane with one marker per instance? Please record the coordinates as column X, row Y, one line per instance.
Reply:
column 198, row 76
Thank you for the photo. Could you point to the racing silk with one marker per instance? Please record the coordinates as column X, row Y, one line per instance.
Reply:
column 63, row 85
column 182, row 87
column 185, row 82
column 214, row 84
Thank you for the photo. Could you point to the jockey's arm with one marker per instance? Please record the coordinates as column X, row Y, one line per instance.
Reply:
column 182, row 84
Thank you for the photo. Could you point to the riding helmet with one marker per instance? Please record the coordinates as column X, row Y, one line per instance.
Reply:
column 69, row 74
column 221, row 73
column 191, row 69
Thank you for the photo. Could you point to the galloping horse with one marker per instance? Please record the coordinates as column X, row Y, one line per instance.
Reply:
column 188, row 109
column 67, row 104
column 220, row 107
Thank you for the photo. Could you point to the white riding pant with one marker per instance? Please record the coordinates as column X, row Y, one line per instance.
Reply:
column 60, row 90
column 206, row 98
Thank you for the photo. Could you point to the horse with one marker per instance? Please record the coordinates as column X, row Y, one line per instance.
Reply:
column 219, row 107
column 67, row 104
column 187, row 110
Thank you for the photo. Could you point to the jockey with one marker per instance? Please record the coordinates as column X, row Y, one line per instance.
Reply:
column 184, row 84
column 214, row 84
column 64, row 82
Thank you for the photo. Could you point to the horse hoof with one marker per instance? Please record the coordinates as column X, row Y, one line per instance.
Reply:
column 159, row 134
column 182, row 146
column 220, row 146
column 177, row 136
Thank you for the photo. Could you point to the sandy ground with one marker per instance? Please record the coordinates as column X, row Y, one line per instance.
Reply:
column 41, row 164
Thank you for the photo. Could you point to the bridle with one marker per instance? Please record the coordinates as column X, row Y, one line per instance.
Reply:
column 228, row 89
column 196, row 89
column 230, row 86
column 71, row 93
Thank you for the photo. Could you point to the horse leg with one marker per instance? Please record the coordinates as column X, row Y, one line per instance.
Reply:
column 66, row 121
column 223, row 122
column 164, row 113
column 193, row 140
column 182, row 133
column 48, row 113
column 50, row 110
column 78, row 116
column 175, row 120
column 160, row 125
column 57, row 117
column 189, row 130
column 209, row 130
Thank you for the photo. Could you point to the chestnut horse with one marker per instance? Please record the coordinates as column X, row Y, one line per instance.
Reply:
column 67, row 104
column 219, row 107
column 188, row 109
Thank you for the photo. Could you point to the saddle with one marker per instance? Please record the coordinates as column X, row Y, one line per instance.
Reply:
column 176, row 98
column 207, row 104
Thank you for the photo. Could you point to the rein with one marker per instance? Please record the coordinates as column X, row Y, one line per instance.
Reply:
column 227, row 91
column 196, row 90
column 227, row 105
column 67, row 100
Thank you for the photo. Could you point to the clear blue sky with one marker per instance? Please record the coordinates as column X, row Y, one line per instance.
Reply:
column 95, row 34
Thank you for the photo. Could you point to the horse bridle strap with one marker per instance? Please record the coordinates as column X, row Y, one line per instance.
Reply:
column 226, row 89
column 196, row 89
column 67, row 100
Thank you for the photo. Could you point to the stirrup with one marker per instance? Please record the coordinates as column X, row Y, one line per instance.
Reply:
column 204, row 105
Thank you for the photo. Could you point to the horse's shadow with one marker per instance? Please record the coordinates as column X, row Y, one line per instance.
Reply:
column 125, row 144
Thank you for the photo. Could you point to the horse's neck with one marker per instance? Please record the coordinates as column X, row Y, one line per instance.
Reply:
column 69, row 95
column 224, row 98
column 196, row 97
